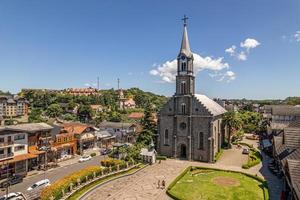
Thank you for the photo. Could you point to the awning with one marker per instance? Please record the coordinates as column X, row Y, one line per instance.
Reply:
column 20, row 158
column 266, row 143
column 34, row 150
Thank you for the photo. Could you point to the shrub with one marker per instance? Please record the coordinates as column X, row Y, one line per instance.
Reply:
column 56, row 188
column 161, row 157
column 218, row 155
column 93, row 154
column 111, row 162
column 254, row 158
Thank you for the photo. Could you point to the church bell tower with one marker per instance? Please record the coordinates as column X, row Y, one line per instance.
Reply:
column 185, row 80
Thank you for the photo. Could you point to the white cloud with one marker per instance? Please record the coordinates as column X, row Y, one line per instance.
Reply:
column 231, row 50
column 297, row 36
column 167, row 71
column 87, row 85
column 249, row 43
column 242, row 56
column 228, row 76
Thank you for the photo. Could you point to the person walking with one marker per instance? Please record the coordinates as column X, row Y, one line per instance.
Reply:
column 158, row 184
column 163, row 184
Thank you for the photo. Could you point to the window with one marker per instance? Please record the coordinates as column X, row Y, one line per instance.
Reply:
column 19, row 137
column 166, row 137
column 183, row 66
column 19, row 148
column 1, row 140
column 182, row 126
column 182, row 87
column 183, row 108
column 200, row 140
column 1, row 151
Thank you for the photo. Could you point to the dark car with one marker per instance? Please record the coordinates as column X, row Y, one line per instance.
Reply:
column 11, row 181
column 105, row 151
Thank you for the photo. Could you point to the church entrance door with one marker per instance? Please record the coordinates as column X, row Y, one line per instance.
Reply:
column 183, row 151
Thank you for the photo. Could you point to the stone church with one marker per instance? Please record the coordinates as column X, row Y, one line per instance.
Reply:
column 189, row 125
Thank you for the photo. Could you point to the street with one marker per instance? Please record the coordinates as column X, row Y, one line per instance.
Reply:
column 52, row 174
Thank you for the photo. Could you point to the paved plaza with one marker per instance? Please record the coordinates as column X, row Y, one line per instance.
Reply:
column 143, row 185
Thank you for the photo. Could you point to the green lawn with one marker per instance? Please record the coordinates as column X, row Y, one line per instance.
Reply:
column 201, row 184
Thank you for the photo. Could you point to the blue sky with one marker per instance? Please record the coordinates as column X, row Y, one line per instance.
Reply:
column 61, row 44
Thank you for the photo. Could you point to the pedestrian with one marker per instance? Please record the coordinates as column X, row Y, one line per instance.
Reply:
column 163, row 184
column 158, row 184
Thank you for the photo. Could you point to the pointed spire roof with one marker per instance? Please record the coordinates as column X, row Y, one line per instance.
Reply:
column 185, row 45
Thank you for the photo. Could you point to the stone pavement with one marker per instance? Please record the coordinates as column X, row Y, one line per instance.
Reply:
column 143, row 185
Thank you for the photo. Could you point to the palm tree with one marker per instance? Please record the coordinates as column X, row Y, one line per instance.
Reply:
column 231, row 121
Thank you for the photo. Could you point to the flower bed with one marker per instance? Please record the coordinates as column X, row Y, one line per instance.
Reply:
column 112, row 162
column 56, row 189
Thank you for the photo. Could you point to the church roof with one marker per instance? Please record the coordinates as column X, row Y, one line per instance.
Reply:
column 213, row 107
column 185, row 45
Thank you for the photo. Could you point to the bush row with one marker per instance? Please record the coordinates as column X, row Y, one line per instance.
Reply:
column 56, row 189
column 161, row 157
column 254, row 158
column 112, row 162
column 218, row 155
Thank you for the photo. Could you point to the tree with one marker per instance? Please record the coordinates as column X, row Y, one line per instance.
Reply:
column 232, row 122
column 54, row 110
column 100, row 117
column 69, row 117
column 35, row 116
column 84, row 113
column 149, row 131
column 114, row 116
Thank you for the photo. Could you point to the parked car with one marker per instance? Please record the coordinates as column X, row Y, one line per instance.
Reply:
column 42, row 183
column 13, row 196
column 105, row 151
column 246, row 151
column 11, row 181
column 85, row 158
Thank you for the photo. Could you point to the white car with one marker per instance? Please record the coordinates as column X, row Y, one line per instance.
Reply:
column 13, row 196
column 85, row 158
column 42, row 183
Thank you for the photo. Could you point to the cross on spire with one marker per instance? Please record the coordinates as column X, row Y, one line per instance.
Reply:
column 185, row 18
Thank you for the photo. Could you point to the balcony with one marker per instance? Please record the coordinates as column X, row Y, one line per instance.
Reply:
column 6, row 156
column 5, row 144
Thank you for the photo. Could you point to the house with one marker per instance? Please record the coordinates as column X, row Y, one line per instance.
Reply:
column 136, row 116
column 280, row 116
column 286, row 153
column 19, row 144
column 97, row 108
column 105, row 139
column 148, row 155
column 82, row 91
column 124, row 132
column 125, row 103
column 13, row 106
column 84, row 133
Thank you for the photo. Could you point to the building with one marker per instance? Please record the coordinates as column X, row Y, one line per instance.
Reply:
column 286, row 153
column 125, row 103
column 105, row 139
column 84, row 133
column 82, row 91
column 19, row 147
column 280, row 116
column 124, row 132
column 13, row 106
column 189, row 124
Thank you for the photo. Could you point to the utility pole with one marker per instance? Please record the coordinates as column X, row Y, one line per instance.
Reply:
column 98, row 83
column 118, row 84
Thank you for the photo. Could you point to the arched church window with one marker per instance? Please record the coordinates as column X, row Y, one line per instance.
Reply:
column 183, row 66
column 200, row 140
column 183, row 87
column 183, row 108
column 166, row 137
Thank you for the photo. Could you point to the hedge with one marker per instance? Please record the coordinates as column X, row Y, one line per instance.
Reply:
column 161, row 157
column 111, row 162
column 218, row 155
column 55, row 189
column 254, row 158
column 190, row 168
column 93, row 154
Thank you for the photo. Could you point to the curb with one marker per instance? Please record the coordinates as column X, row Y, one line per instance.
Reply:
column 108, row 181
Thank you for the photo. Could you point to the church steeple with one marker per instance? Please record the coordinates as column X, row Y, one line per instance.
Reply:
column 185, row 45
column 185, row 84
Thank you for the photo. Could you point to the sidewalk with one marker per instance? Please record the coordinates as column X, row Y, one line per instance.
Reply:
column 64, row 163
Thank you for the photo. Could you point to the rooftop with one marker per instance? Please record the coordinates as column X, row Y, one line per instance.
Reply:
column 213, row 107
